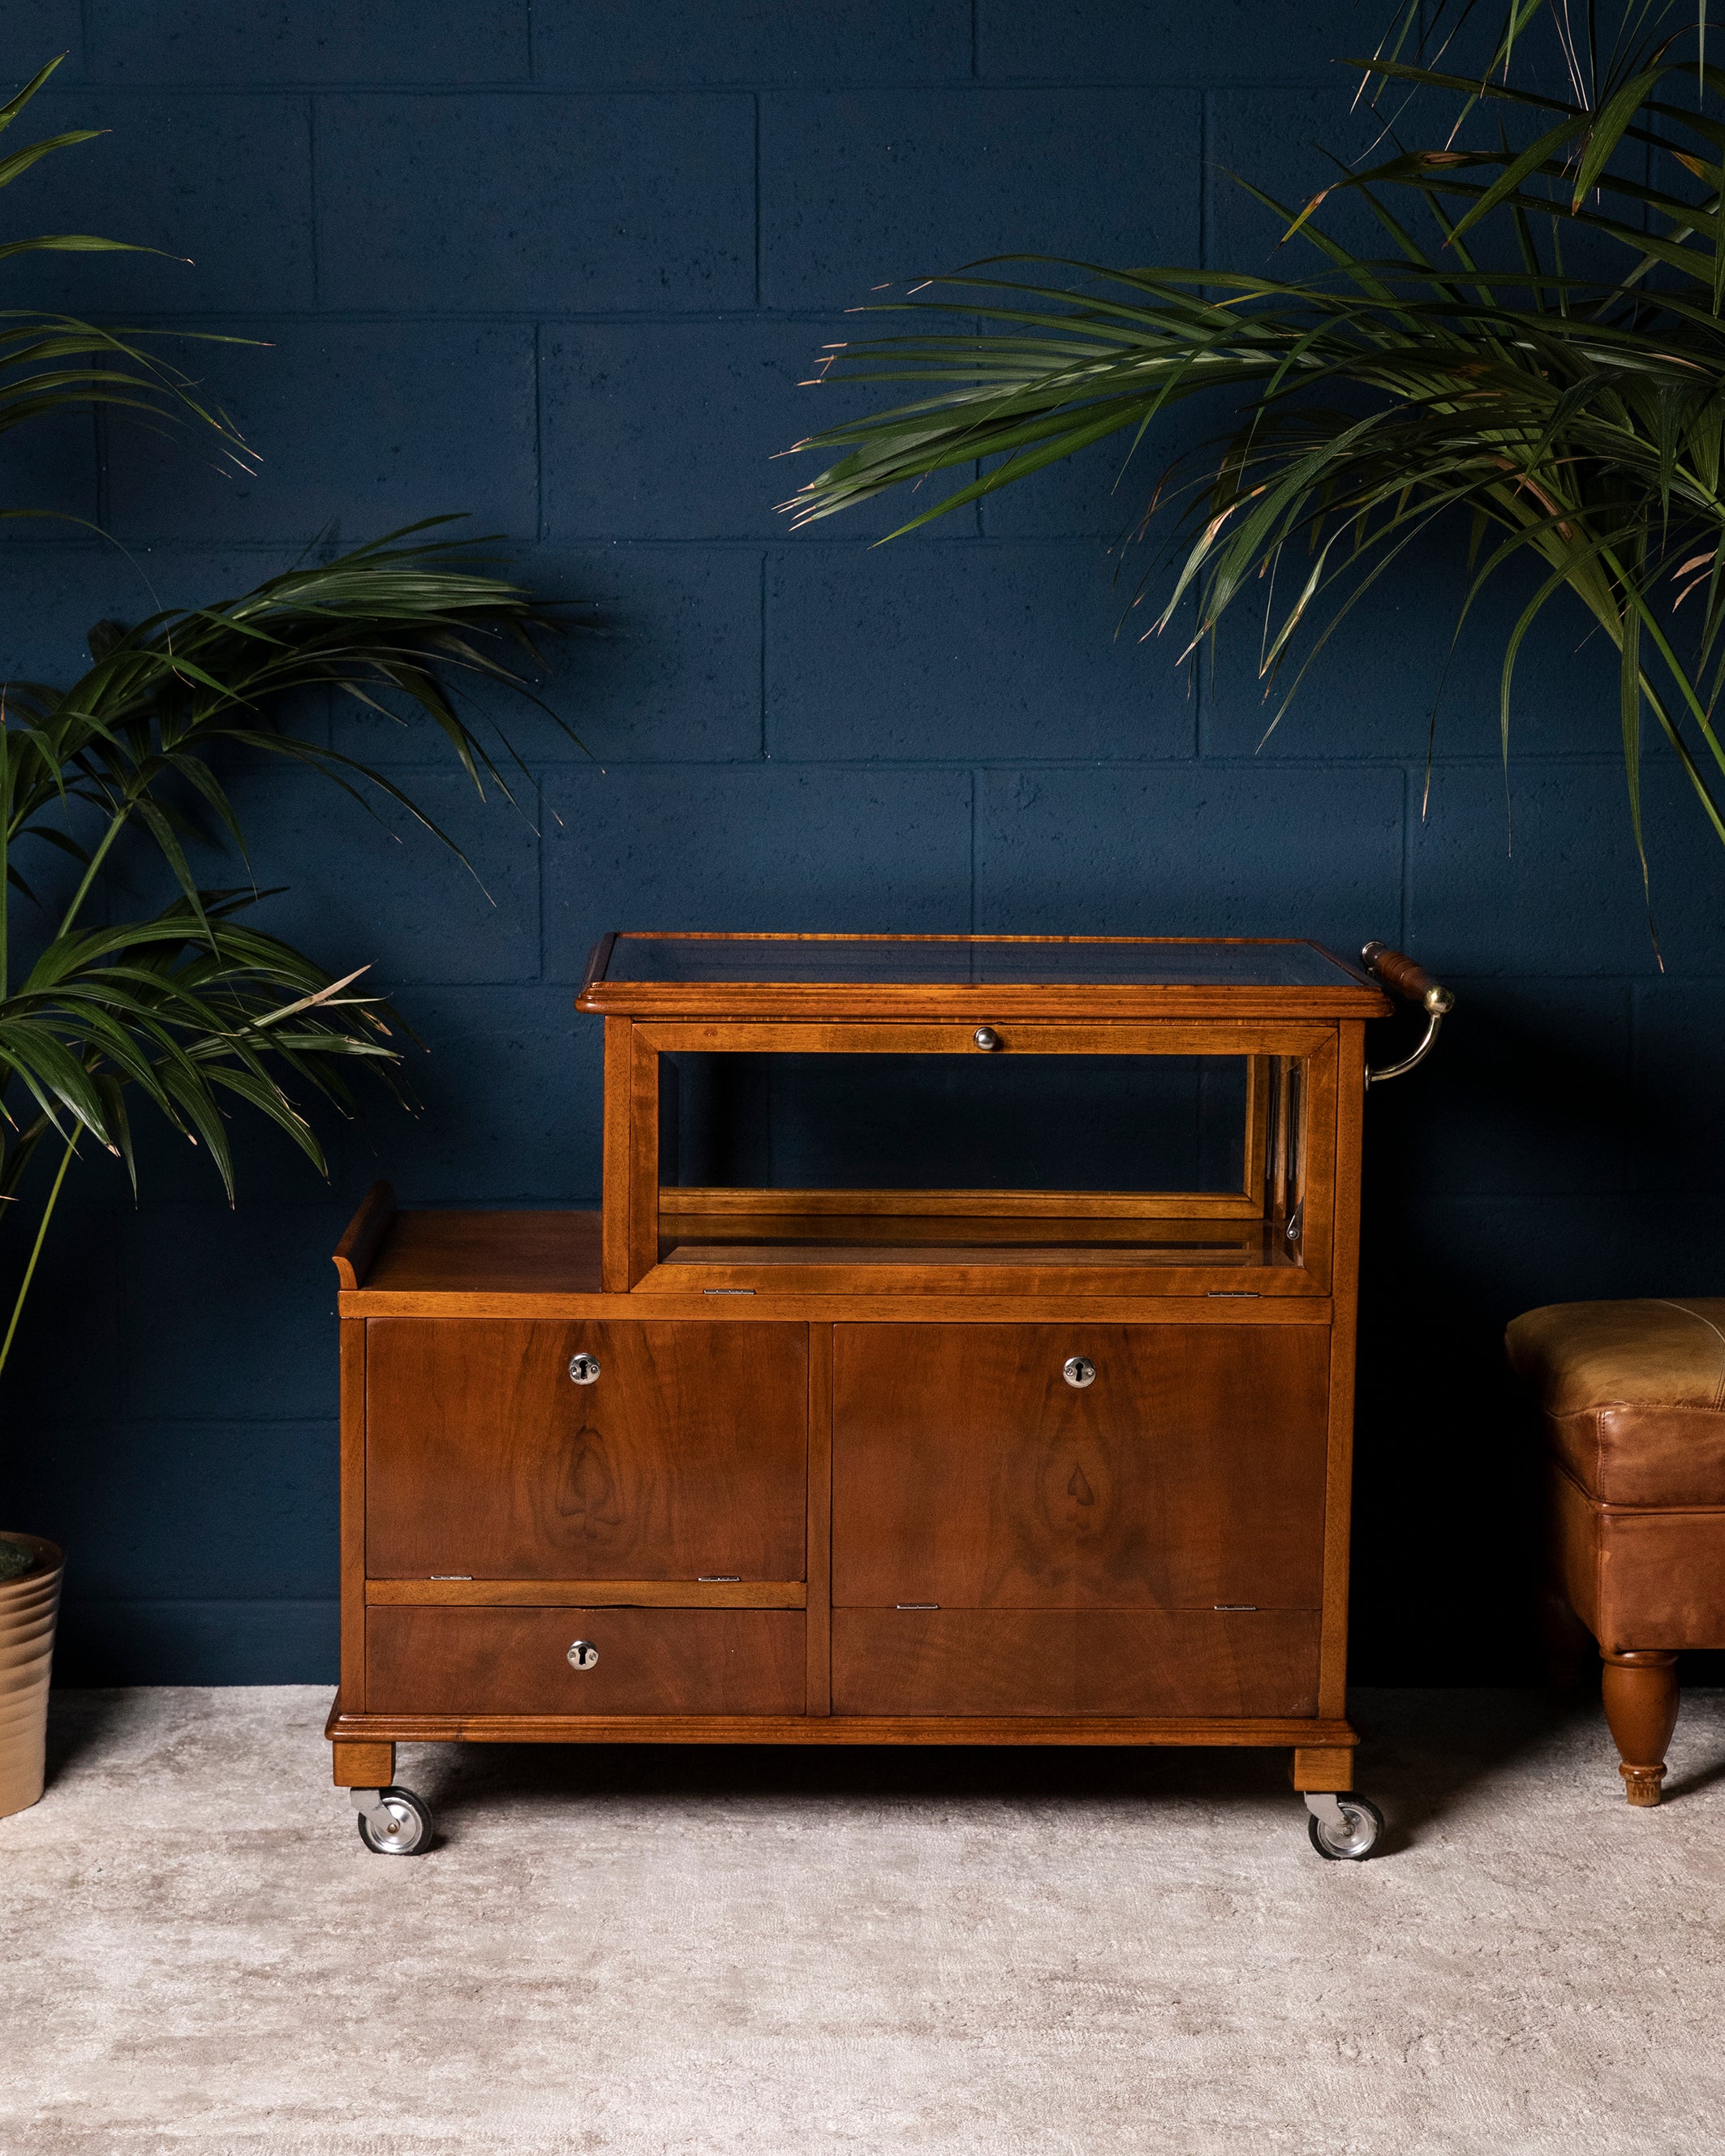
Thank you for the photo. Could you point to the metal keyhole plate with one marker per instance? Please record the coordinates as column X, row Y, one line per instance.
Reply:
column 585, row 1369
column 1079, row 1370
column 583, row 1653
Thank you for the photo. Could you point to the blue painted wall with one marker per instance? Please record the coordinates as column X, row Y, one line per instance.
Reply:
column 566, row 270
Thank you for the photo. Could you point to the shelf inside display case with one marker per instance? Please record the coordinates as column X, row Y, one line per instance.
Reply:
column 1142, row 1163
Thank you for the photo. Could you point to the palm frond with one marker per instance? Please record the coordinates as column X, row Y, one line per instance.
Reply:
column 1579, row 420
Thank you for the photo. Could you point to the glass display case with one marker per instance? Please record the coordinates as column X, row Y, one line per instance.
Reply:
column 1135, row 1111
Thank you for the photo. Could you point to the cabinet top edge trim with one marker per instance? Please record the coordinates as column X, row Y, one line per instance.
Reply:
column 891, row 1307
column 744, row 1000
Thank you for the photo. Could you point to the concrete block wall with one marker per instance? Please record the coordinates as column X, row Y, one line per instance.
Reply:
column 563, row 268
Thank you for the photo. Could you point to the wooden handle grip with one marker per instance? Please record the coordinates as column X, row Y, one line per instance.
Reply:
column 1397, row 971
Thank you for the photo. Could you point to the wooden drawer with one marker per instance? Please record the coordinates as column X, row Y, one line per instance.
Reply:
column 687, row 1456
column 1073, row 1661
column 650, row 1662
column 966, row 1471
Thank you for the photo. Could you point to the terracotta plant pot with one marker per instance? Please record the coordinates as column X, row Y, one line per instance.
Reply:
column 29, row 1606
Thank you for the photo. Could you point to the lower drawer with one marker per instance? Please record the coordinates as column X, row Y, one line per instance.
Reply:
column 1074, row 1661
column 650, row 1661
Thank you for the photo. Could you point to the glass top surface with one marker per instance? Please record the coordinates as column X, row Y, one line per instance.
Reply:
column 1195, row 961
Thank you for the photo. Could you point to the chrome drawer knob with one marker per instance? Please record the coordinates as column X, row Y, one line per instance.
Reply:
column 583, row 1653
column 986, row 1037
column 585, row 1369
column 1079, row 1370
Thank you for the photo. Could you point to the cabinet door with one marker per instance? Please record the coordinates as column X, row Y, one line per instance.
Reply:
column 1188, row 1473
column 686, row 1456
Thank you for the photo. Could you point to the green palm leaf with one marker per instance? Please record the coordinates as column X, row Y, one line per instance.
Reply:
column 1378, row 399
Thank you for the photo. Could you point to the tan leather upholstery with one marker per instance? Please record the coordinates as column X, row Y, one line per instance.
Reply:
column 1633, row 1395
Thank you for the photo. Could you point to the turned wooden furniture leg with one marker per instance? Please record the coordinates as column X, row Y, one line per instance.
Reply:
column 1640, row 1693
column 363, row 1766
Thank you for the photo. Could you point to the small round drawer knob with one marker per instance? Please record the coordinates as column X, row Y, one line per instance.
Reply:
column 1079, row 1370
column 583, row 1653
column 585, row 1369
column 986, row 1037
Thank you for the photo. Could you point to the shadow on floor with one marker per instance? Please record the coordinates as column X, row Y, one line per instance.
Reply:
column 1422, row 1754
column 78, row 1723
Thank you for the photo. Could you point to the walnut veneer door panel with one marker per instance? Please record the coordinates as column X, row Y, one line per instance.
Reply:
column 650, row 1661
column 686, row 1456
column 1074, row 1661
column 966, row 1471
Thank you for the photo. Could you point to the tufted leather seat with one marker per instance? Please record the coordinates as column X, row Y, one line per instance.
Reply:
column 1632, row 1396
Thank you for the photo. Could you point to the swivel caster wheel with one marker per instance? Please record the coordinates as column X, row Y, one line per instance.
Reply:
column 1343, row 1829
column 394, row 1822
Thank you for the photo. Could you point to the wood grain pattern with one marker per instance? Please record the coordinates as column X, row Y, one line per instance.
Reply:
column 363, row 1764
column 618, row 1166
column 686, row 1457
column 650, row 1662
column 589, row 1593
column 1317, row 1166
column 967, row 1472
column 766, row 1037
column 813, row 1002
column 678, row 1203
column 1074, row 1662
column 352, row 1439
column 820, row 1544
column 865, row 1273
column 1402, row 973
column 1338, row 1486
column 436, row 1256
column 644, row 1156
column 363, row 1236
column 547, row 1265
column 926, row 1450
column 786, row 1234
column 1322, row 1767
column 1228, row 1731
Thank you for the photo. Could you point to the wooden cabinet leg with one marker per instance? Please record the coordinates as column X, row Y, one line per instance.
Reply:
column 1323, row 1767
column 1640, row 1693
column 367, row 1765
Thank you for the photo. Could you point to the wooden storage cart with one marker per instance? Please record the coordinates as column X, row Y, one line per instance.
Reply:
column 863, row 1412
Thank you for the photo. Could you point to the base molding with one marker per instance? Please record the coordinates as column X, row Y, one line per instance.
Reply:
column 1305, row 1734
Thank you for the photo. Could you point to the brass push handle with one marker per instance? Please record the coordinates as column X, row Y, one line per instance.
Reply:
column 1400, row 974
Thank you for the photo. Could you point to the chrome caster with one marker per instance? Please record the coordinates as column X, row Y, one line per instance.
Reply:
column 1344, row 1829
column 393, row 1822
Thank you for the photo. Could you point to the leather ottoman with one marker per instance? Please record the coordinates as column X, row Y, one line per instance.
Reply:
column 1632, row 1396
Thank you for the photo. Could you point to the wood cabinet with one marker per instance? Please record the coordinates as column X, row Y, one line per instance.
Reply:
column 789, row 1442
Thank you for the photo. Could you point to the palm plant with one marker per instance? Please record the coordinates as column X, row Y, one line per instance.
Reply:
column 1466, row 380
column 191, row 1010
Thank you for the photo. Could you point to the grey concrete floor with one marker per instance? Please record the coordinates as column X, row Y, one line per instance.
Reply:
column 973, row 1954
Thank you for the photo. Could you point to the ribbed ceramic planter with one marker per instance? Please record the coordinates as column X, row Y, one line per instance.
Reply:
column 29, row 1606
